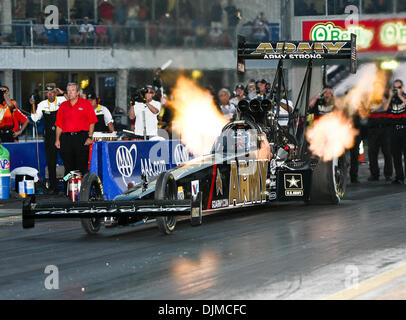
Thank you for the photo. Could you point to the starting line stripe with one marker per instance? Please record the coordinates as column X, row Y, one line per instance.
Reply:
column 10, row 217
column 369, row 285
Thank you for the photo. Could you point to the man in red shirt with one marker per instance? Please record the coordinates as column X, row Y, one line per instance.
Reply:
column 10, row 117
column 75, row 122
column 19, row 119
column 106, row 9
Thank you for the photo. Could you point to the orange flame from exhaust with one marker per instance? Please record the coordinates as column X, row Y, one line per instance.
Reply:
column 331, row 135
column 196, row 116
column 368, row 93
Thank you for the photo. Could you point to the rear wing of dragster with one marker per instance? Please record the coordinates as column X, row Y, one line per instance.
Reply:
column 123, row 210
column 297, row 50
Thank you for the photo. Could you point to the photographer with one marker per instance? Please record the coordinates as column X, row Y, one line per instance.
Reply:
column 396, row 108
column 322, row 103
column 145, row 112
column 379, row 139
column 10, row 117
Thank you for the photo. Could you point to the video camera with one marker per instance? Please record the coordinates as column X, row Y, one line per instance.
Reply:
column 2, row 92
column 395, row 98
column 139, row 95
column 321, row 101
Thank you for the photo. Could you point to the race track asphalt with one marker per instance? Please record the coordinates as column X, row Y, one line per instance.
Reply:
column 285, row 251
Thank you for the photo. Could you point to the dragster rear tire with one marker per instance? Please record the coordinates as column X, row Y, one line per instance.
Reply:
column 329, row 181
column 91, row 190
column 166, row 190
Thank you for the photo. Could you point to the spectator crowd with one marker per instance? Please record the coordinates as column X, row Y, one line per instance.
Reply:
column 132, row 22
column 168, row 23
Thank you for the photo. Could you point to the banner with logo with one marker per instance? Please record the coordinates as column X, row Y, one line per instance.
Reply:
column 18, row 156
column 380, row 35
column 119, row 163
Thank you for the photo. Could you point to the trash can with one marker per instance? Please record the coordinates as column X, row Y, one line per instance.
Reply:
column 4, row 186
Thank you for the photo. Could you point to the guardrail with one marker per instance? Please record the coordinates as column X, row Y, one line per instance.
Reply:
column 28, row 34
column 147, row 35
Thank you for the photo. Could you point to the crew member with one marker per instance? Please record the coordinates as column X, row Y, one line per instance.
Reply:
column 75, row 123
column 262, row 88
column 379, row 138
column 251, row 90
column 396, row 108
column 354, row 151
column 10, row 117
column 227, row 108
column 48, row 109
column 145, row 115
column 20, row 123
column 239, row 94
column 104, row 118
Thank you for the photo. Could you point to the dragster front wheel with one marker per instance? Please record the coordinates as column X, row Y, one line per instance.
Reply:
column 91, row 190
column 166, row 190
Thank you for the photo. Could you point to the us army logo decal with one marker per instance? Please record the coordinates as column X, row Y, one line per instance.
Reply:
column 293, row 184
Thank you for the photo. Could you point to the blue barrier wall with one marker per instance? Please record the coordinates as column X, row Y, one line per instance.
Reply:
column 24, row 154
column 118, row 163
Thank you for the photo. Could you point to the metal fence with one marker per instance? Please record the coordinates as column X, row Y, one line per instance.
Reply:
column 28, row 34
column 148, row 35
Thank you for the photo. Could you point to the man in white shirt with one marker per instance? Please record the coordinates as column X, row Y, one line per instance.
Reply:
column 239, row 94
column 227, row 108
column 48, row 109
column 104, row 118
column 87, row 30
column 146, row 115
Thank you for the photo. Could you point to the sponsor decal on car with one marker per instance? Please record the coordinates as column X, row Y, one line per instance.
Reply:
column 219, row 183
column 293, row 183
column 181, row 194
column 215, row 204
column 248, row 182
column 195, row 189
